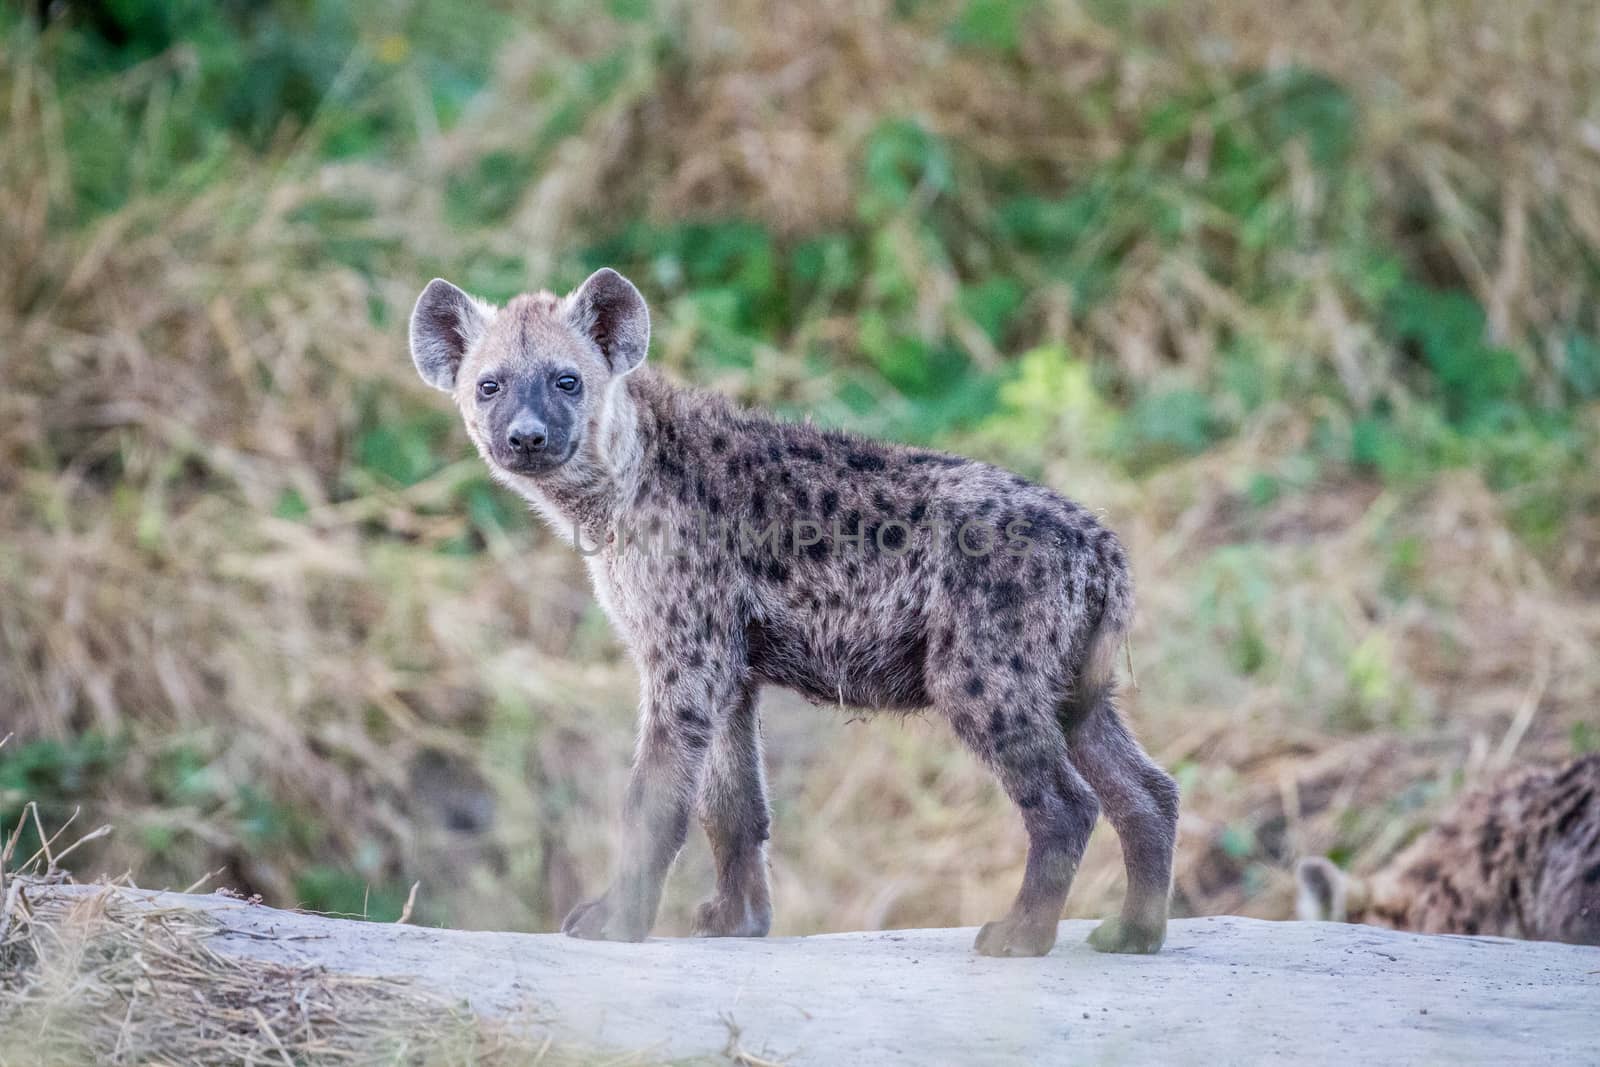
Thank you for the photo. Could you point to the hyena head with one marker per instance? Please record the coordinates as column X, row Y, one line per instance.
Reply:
column 532, row 379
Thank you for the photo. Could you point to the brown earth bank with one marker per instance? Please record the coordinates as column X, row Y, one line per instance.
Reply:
column 1225, row 989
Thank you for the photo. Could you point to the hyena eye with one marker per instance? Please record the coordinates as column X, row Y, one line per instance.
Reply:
column 567, row 383
column 487, row 388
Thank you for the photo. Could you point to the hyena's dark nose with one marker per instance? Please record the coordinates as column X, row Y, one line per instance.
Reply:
column 526, row 435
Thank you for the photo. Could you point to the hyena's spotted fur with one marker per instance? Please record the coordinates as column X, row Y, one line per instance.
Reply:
column 893, row 607
column 1520, row 858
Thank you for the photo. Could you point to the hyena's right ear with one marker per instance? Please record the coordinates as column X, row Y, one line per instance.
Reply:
column 609, row 311
column 1320, row 891
column 444, row 324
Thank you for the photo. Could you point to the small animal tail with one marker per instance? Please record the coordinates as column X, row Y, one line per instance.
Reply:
column 1095, row 677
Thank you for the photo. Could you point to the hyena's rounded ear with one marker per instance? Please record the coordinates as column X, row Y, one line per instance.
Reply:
column 609, row 311
column 1320, row 891
column 444, row 324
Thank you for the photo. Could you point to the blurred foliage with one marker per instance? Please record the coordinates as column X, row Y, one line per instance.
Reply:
column 55, row 775
column 187, row 80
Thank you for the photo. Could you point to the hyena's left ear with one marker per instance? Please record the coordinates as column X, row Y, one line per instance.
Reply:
column 609, row 311
column 1321, row 890
column 444, row 324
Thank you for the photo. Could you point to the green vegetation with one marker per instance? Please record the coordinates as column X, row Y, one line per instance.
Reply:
column 1313, row 314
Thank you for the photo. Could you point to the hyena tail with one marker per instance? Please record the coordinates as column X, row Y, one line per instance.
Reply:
column 1094, row 675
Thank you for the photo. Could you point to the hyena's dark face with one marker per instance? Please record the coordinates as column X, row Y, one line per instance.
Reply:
column 532, row 378
column 528, row 410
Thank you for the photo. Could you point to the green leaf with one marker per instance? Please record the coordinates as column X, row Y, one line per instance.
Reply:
column 903, row 159
column 996, row 25
column 991, row 303
column 404, row 451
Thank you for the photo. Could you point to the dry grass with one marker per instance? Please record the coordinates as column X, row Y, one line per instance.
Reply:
column 109, row 978
column 102, row 980
column 174, row 371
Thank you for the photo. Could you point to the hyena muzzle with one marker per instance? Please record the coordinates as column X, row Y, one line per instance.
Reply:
column 732, row 550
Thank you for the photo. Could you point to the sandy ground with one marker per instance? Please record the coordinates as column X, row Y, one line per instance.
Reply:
column 1224, row 990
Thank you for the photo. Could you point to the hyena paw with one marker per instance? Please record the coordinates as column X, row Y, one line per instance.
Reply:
column 1121, row 935
column 1014, row 936
column 600, row 920
column 732, row 917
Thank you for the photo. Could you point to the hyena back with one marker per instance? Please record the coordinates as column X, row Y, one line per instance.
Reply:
column 1519, row 858
column 732, row 551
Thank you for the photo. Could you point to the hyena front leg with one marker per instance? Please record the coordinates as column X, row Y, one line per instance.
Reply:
column 734, row 812
column 676, row 729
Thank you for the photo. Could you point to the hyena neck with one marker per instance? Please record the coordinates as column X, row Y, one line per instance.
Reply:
column 583, row 499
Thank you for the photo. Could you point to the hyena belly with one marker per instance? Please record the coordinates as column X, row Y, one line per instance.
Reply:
column 845, row 620
column 795, row 652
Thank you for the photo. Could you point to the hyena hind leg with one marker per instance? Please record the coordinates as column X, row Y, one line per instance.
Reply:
column 736, row 817
column 1026, row 752
column 1141, row 803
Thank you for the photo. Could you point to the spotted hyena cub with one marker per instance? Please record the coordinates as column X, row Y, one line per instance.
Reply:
column 1518, row 859
column 732, row 550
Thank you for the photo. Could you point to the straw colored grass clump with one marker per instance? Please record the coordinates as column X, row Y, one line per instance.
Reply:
column 106, row 980
column 110, row 979
column 113, row 977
